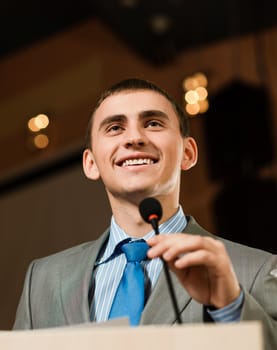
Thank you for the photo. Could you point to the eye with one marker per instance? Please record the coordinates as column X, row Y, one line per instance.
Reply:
column 154, row 124
column 114, row 129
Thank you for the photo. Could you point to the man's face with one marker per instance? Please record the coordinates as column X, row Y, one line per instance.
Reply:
column 137, row 147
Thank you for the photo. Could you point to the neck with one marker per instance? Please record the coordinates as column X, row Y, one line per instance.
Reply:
column 127, row 216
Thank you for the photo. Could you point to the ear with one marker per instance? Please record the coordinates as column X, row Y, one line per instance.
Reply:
column 89, row 165
column 190, row 153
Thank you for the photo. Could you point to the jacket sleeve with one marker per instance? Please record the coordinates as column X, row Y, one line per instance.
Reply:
column 260, row 302
column 23, row 319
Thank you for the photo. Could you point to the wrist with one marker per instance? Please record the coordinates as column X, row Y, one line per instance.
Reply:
column 229, row 299
column 229, row 313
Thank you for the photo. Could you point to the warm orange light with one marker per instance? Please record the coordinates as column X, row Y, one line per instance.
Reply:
column 190, row 84
column 193, row 109
column 41, row 121
column 202, row 93
column 195, row 94
column 41, row 141
column 201, row 79
column 32, row 125
column 204, row 106
column 191, row 97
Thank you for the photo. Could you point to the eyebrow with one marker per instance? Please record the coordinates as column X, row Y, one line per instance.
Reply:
column 123, row 118
column 112, row 119
column 153, row 113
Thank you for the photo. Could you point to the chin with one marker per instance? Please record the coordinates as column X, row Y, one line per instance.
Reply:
column 135, row 193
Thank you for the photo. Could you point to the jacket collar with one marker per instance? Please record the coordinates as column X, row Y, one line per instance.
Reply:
column 76, row 278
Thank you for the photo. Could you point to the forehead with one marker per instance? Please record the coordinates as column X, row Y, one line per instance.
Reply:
column 131, row 103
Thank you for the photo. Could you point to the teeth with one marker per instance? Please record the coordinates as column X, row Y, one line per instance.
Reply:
column 139, row 161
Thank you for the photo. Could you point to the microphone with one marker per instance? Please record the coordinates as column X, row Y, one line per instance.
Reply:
column 151, row 211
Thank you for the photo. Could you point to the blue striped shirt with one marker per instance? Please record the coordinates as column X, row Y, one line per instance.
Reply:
column 108, row 274
column 109, row 269
column 229, row 313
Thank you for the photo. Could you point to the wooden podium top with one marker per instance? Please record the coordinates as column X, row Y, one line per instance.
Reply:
column 239, row 336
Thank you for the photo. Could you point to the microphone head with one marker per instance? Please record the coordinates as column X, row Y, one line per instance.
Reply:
column 150, row 208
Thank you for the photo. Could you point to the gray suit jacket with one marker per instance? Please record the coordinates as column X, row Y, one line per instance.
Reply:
column 56, row 289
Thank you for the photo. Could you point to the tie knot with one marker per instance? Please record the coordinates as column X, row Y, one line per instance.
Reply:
column 135, row 251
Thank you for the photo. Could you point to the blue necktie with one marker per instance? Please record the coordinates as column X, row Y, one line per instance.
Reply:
column 129, row 297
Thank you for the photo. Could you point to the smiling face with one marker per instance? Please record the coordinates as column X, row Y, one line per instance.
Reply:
column 137, row 147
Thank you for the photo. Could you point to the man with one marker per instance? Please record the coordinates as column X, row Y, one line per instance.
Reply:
column 138, row 143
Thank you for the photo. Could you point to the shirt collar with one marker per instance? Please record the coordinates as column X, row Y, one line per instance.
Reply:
column 176, row 223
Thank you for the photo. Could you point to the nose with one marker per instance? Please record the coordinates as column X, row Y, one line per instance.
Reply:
column 135, row 137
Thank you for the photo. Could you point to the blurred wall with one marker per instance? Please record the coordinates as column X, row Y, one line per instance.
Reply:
column 42, row 218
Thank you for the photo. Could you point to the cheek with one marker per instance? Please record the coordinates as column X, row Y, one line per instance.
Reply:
column 175, row 150
column 102, row 154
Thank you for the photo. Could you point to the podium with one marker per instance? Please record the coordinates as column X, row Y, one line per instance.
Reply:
column 239, row 336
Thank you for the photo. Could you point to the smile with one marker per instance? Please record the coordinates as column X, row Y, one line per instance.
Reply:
column 138, row 161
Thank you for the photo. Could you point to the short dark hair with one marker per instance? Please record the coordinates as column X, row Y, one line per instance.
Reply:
column 134, row 84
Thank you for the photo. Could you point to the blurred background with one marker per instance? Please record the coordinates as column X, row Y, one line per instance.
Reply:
column 217, row 58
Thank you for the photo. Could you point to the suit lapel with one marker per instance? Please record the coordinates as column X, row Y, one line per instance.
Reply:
column 159, row 308
column 75, row 281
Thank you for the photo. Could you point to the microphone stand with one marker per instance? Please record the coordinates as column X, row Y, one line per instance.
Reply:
column 154, row 223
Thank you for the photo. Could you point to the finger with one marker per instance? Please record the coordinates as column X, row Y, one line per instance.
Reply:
column 198, row 258
column 219, row 266
column 159, row 245
column 156, row 239
column 173, row 245
column 169, row 245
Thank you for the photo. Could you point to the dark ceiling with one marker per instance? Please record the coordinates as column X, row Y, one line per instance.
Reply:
column 157, row 29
